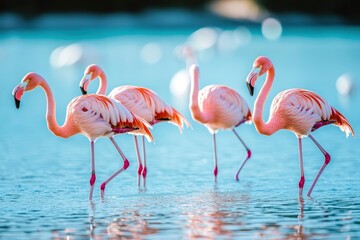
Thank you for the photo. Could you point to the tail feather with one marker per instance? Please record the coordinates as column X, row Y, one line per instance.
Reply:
column 143, row 128
column 175, row 118
column 342, row 122
column 249, row 117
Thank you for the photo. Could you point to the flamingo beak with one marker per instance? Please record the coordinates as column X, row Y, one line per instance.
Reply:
column 85, row 82
column 17, row 103
column 251, row 79
column 18, row 92
column 250, row 88
column 83, row 91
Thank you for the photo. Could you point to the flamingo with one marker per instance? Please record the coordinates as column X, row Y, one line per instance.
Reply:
column 139, row 100
column 298, row 110
column 180, row 82
column 93, row 116
column 218, row 107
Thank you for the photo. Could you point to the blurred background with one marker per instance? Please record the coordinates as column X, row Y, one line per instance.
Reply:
column 18, row 13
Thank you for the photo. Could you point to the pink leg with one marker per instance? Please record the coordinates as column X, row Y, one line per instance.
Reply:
column 144, row 171
column 93, row 175
column 140, row 166
column 302, row 177
column 215, row 158
column 326, row 162
column 125, row 166
column 247, row 157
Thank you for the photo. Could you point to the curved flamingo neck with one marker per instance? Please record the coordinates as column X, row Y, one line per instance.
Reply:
column 195, row 110
column 103, row 84
column 269, row 127
column 61, row 131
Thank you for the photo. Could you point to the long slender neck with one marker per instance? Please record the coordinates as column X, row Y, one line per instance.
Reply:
column 262, row 127
column 196, row 113
column 64, row 131
column 103, row 84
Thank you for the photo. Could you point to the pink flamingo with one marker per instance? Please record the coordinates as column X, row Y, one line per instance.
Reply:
column 218, row 108
column 93, row 116
column 139, row 100
column 298, row 110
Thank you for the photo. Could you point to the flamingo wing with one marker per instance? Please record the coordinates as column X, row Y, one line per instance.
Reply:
column 147, row 104
column 134, row 100
column 100, row 116
column 303, row 111
column 224, row 107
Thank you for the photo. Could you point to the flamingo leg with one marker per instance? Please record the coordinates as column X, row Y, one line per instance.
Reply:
column 93, row 175
column 246, row 158
column 144, row 171
column 125, row 166
column 326, row 162
column 215, row 158
column 301, row 165
column 140, row 166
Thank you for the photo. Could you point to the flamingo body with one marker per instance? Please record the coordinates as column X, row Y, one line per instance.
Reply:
column 92, row 115
column 218, row 107
column 298, row 110
column 222, row 108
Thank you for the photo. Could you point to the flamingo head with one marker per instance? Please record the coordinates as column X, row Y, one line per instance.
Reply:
column 194, row 72
column 260, row 66
column 29, row 82
column 91, row 72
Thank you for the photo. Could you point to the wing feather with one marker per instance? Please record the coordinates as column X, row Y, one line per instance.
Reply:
column 98, row 115
column 224, row 105
column 304, row 109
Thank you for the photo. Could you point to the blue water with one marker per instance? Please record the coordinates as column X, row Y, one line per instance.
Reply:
column 44, row 179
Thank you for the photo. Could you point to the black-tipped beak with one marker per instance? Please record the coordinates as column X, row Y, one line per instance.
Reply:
column 17, row 103
column 250, row 88
column 83, row 91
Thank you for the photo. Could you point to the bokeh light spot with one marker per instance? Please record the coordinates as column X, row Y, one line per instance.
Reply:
column 271, row 28
column 151, row 53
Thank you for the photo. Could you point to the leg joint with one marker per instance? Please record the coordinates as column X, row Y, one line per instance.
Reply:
column 144, row 172
column 327, row 158
column 126, row 164
column 140, row 169
column 302, row 182
column 92, row 178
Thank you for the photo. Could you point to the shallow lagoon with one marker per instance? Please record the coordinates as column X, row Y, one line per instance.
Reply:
column 44, row 179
